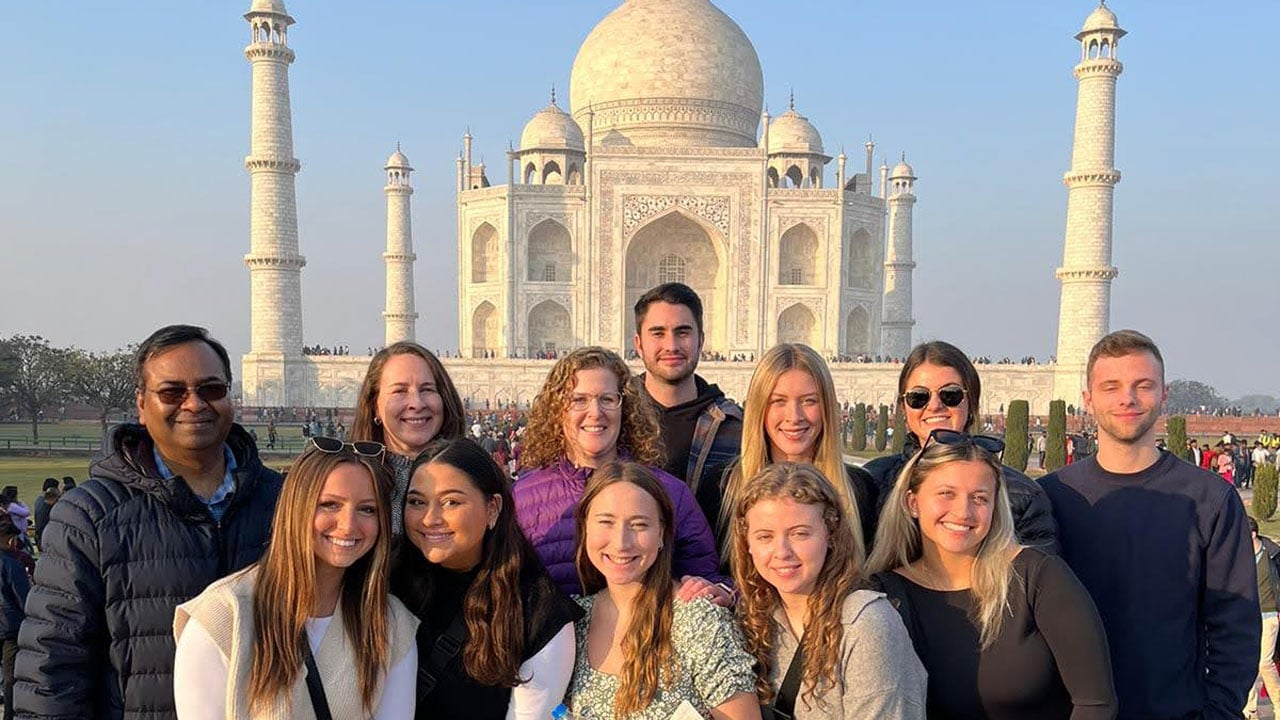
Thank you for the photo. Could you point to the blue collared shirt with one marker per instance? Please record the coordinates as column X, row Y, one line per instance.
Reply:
column 221, row 498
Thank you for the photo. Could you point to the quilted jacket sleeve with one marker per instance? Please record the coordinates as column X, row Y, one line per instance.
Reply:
column 62, row 645
column 695, row 546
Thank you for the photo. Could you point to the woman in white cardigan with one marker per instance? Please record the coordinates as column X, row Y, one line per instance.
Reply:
column 317, row 598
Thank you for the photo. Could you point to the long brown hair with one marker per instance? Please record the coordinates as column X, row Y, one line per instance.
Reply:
column 841, row 574
column 364, row 426
column 827, row 456
column 544, row 441
column 285, row 593
column 648, row 654
column 493, row 606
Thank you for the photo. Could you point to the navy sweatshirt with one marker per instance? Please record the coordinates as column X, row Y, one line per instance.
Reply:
column 1166, row 555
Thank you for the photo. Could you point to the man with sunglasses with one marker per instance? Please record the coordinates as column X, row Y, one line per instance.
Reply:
column 1161, row 545
column 174, row 502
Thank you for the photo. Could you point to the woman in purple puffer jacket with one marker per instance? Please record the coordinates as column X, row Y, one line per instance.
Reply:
column 588, row 413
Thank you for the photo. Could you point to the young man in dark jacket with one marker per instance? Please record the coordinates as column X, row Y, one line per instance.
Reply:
column 171, row 505
column 1162, row 546
column 701, row 428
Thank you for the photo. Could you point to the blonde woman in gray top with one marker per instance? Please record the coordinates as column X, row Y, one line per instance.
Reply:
column 803, row 589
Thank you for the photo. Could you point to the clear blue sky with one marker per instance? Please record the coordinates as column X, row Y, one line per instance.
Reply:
column 124, row 201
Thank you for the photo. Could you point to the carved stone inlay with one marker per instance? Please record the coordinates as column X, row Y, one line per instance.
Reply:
column 638, row 208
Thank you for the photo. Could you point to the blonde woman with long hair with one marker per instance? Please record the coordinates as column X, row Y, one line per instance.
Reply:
column 642, row 652
column 318, row 598
column 792, row 414
column 804, row 600
column 1005, row 631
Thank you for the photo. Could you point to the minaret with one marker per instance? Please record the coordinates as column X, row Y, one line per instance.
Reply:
column 895, row 328
column 1086, row 272
column 275, row 267
column 399, row 315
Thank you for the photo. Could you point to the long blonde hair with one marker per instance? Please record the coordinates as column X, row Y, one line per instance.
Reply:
column 649, row 657
column 544, row 441
column 841, row 574
column 900, row 543
column 827, row 456
column 285, row 593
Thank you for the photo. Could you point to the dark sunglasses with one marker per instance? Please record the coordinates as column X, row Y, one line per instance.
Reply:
column 176, row 395
column 363, row 448
column 918, row 398
column 942, row 436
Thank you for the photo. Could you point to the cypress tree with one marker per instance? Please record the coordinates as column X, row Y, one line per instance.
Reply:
column 1055, row 451
column 1016, row 450
column 899, row 430
column 882, row 428
column 1265, row 480
column 860, row 427
column 1177, row 437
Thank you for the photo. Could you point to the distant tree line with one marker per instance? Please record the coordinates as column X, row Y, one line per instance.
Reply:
column 36, row 377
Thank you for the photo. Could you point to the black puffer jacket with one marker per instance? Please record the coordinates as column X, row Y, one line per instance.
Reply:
column 1033, row 521
column 122, row 550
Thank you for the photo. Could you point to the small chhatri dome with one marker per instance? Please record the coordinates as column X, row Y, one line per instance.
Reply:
column 902, row 170
column 1101, row 19
column 792, row 133
column 268, row 6
column 552, row 128
column 397, row 160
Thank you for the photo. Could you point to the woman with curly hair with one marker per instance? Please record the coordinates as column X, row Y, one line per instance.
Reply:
column 1005, row 631
column 496, row 638
column 792, row 414
column 316, row 604
column 406, row 401
column 642, row 652
column 589, row 413
column 825, row 646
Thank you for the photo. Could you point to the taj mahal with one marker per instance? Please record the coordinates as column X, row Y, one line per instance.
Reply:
column 663, row 166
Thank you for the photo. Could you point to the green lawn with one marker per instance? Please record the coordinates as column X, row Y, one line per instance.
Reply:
column 28, row 473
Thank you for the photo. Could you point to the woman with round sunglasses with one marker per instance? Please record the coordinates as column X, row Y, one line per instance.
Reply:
column 496, row 639
column 939, row 387
column 589, row 413
column 806, row 600
column 792, row 414
column 407, row 400
column 1005, row 632
column 644, row 653
column 315, row 605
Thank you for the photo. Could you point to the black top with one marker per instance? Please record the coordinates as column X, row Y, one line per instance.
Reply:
column 1049, row 661
column 456, row 695
column 1166, row 555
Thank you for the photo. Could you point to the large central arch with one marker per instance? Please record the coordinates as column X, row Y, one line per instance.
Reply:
column 677, row 248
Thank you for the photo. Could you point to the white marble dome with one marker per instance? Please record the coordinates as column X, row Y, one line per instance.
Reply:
column 397, row 160
column 1101, row 19
column 669, row 72
column 552, row 128
column 792, row 132
column 902, row 170
column 268, row 6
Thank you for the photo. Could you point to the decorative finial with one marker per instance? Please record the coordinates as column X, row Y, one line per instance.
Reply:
column 791, row 103
column 553, row 93
column 1102, row 3
column 397, row 146
column 904, row 156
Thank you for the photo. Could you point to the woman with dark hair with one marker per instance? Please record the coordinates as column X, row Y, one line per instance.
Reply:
column 588, row 413
column 496, row 639
column 315, row 604
column 805, row 600
column 642, row 652
column 1006, row 632
column 939, row 387
column 407, row 400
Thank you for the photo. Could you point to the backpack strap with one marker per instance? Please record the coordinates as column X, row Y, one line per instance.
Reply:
column 315, row 688
column 446, row 648
column 784, row 703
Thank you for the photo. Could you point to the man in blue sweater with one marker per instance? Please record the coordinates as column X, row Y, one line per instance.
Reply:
column 1162, row 546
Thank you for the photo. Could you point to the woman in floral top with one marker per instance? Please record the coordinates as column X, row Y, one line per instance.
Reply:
column 643, row 654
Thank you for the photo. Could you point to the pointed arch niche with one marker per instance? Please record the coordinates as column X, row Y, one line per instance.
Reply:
column 798, row 256
column 797, row 324
column 484, row 254
column 550, row 253
column 676, row 247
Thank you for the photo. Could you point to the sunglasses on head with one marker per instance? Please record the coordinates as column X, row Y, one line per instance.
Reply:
column 363, row 448
column 918, row 398
column 177, row 394
column 943, row 436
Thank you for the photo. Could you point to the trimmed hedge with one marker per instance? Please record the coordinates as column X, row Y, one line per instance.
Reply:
column 1016, row 450
column 1176, row 430
column 1265, row 480
column 882, row 428
column 860, row 427
column 1055, row 451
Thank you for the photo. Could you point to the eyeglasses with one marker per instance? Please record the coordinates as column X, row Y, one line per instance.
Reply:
column 918, row 398
column 363, row 448
column 607, row 401
column 943, row 436
column 177, row 394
